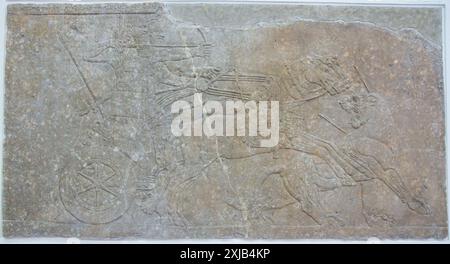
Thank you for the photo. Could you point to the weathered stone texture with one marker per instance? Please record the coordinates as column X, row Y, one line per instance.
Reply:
column 88, row 149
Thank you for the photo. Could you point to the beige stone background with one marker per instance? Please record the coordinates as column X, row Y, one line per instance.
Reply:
column 427, row 21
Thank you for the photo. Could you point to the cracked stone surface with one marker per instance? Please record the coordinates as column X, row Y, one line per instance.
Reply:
column 89, row 152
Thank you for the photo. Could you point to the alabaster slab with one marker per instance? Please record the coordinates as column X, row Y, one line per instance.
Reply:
column 89, row 151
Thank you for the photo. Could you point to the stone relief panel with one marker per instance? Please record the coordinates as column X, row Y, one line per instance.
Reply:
column 89, row 150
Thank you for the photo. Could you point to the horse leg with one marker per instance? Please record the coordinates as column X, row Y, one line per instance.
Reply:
column 306, row 195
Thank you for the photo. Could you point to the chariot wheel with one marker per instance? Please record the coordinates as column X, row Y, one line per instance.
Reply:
column 95, row 193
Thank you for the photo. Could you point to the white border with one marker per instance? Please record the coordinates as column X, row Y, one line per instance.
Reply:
column 446, row 66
